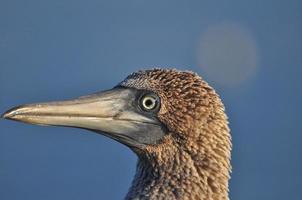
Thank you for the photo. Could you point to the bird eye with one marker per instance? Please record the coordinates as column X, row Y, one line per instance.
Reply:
column 149, row 102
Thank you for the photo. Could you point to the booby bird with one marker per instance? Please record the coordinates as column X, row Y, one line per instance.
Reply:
column 173, row 120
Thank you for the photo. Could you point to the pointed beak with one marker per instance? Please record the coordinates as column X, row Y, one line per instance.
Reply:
column 113, row 113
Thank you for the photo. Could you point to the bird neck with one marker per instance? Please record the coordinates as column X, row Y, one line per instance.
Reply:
column 180, row 171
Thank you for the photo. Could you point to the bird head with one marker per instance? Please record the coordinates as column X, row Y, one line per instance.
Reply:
column 148, row 110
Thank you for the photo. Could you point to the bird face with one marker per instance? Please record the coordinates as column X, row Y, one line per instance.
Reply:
column 139, row 112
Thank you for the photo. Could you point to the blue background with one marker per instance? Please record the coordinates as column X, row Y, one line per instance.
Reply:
column 250, row 51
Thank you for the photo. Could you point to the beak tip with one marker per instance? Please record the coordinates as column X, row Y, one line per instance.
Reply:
column 5, row 115
column 9, row 114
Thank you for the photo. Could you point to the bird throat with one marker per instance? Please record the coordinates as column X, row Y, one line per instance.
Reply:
column 179, row 172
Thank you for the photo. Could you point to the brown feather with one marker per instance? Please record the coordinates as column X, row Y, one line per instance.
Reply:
column 193, row 160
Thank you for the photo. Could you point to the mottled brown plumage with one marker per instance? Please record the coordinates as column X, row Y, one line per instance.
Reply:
column 173, row 120
column 193, row 159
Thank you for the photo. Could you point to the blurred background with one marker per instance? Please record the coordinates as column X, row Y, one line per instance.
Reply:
column 250, row 51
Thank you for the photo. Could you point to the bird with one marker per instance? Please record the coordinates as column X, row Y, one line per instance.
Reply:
column 174, row 122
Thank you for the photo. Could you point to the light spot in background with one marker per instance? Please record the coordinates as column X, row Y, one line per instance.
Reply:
column 228, row 54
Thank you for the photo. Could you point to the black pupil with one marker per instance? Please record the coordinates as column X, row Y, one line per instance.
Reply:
column 149, row 102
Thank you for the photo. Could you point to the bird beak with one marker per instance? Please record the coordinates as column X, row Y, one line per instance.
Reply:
column 111, row 112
